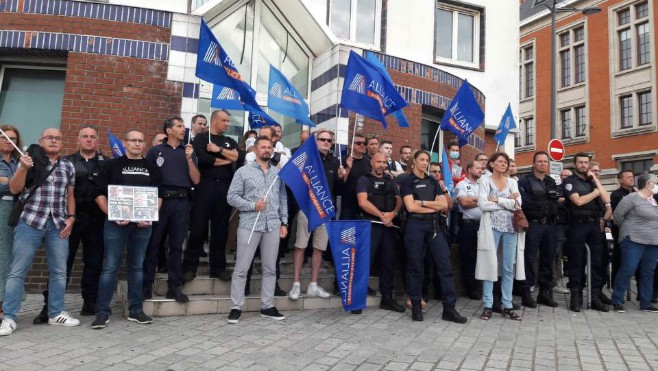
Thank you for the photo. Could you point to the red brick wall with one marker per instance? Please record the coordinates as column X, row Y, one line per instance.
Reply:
column 116, row 93
column 598, row 80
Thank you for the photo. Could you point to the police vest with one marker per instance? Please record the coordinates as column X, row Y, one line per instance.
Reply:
column 381, row 193
column 424, row 189
column 86, row 174
column 543, row 197
column 591, row 209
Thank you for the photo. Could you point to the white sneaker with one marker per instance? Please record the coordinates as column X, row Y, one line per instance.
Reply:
column 317, row 291
column 295, row 291
column 561, row 290
column 8, row 327
column 63, row 319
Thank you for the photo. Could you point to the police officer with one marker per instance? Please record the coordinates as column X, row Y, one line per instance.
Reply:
column 88, row 228
column 466, row 194
column 379, row 199
column 539, row 196
column 217, row 154
column 179, row 172
column 424, row 202
column 586, row 201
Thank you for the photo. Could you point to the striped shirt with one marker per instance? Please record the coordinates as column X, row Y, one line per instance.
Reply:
column 637, row 218
column 50, row 199
column 249, row 184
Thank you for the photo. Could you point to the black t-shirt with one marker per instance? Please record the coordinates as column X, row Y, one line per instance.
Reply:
column 124, row 171
column 207, row 159
column 360, row 167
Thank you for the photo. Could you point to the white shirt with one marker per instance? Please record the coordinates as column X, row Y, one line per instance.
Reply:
column 466, row 188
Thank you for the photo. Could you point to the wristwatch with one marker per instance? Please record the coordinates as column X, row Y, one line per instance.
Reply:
column 70, row 216
column 284, row 225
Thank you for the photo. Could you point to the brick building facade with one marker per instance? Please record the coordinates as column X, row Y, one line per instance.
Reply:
column 606, row 84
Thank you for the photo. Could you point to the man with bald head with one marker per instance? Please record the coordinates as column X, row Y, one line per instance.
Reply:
column 379, row 201
column 48, row 218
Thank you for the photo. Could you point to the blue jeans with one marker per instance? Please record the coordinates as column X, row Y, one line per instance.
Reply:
column 508, row 240
column 635, row 254
column 26, row 242
column 116, row 239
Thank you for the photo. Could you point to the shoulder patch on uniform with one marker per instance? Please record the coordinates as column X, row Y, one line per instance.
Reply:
column 568, row 186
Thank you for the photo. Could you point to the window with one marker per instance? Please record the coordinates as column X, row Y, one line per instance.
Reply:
column 529, row 131
column 633, row 36
column 355, row 20
column 572, row 56
column 581, row 122
column 644, row 100
column 23, row 88
column 565, row 122
column 428, row 130
column 637, row 166
column 457, row 35
column 626, row 104
column 526, row 134
column 527, row 72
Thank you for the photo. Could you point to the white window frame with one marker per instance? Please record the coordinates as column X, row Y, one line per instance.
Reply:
column 570, row 48
column 353, row 21
column 476, row 36
column 635, row 120
column 524, row 63
column 573, row 128
column 632, row 27
column 520, row 136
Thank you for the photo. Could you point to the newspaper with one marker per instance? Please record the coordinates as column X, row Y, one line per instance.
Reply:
column 132, row 203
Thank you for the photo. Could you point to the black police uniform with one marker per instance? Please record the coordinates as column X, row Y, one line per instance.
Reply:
column 382, row 193
column 426, row 229
column 539, row 198
column 584, row 228
column 88, row 228
column 173, row 220
column 211, row 205
column 615, row 198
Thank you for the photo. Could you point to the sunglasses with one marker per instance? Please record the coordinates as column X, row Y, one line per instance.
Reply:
column 326, row 140
column 360, row 143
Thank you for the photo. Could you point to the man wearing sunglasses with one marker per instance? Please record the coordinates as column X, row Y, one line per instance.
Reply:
column 356, row 165
column 334, row 174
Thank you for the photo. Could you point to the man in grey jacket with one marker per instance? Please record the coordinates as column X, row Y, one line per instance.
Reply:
column 260, row 195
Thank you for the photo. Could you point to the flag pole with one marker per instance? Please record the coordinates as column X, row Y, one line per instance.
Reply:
column 12, row 142
column 432, row 147
column 353, row 134
column 258, row 215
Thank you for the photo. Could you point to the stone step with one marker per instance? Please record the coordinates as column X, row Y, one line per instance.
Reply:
column 214, row 286
column 159, row 306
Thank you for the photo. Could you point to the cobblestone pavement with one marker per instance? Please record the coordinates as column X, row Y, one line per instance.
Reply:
column 546, row 339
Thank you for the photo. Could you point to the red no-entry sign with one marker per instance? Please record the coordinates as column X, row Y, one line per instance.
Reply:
column 556, row 149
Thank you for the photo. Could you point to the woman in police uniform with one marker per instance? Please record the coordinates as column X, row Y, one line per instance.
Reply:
column 424, row 200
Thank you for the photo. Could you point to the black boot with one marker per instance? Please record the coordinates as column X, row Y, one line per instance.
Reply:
column 416, row 310
column 388, row 303
column 545, row 297
column 576, row 301
column 527, row 299
column 43, row 315
column 597, row 303
column 88, row 308
column 176, row 294
column 602, row 297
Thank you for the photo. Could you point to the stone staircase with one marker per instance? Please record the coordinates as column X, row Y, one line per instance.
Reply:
column 212, row 296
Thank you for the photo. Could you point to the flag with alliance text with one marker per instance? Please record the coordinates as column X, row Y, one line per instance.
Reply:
column 304, row 175
column 350, row 247
column 117, row 147
column 225, row 98
column 463, row 114
column 215, row 66
column 282, row 97
column 366, row 91
column 399, row 114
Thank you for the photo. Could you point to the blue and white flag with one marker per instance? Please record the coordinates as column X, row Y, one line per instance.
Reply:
column 304, row 175
column 117, row 147
column 350, row 247
column 399, row 114
column 367, row 92
column 447, row 173
column 506, row 124
column 463, row 115
column 215, row 66
column 259, row 118
column 225, row 98
column 282, row 97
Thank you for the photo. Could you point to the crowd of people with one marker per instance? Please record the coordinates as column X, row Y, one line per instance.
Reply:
column 204, row 176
